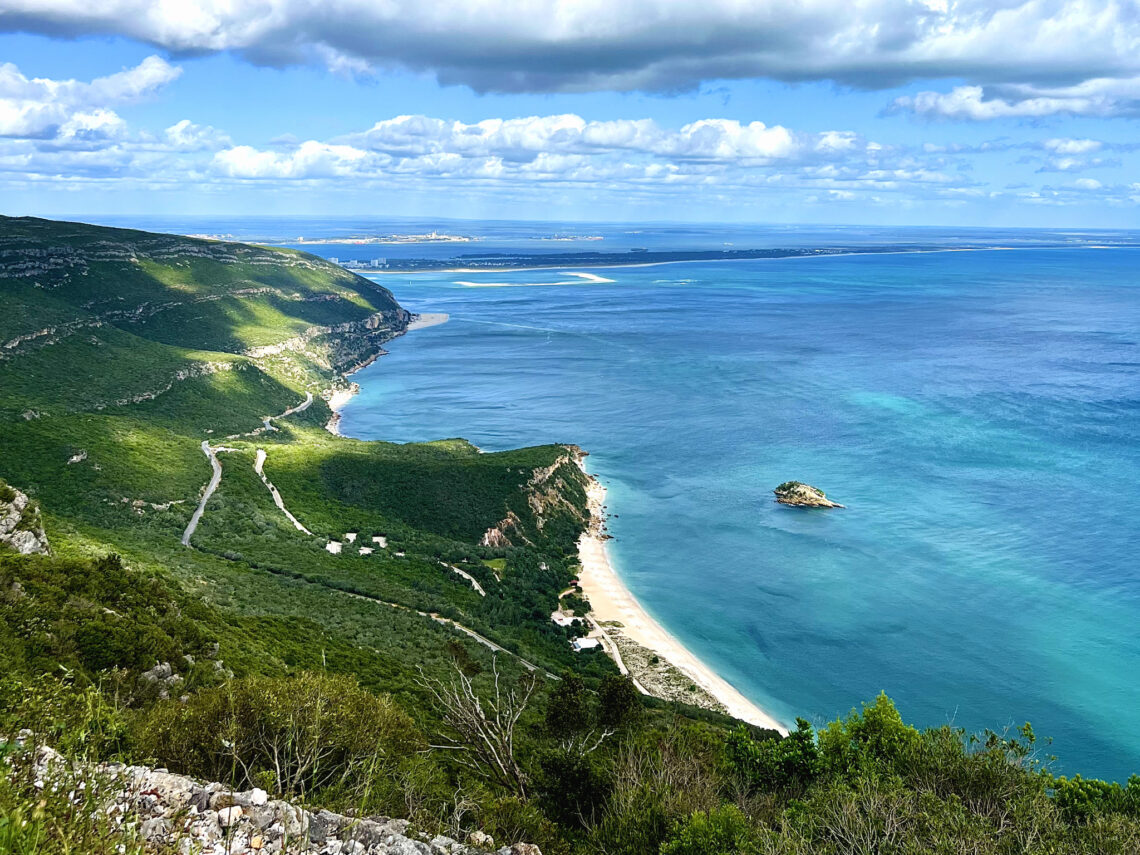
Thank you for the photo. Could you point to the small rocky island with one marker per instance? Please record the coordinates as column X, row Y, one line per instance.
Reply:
column 803, row 496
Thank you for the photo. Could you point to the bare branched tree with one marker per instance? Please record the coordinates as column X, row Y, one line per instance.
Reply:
column 586, row 743
column 483, row 731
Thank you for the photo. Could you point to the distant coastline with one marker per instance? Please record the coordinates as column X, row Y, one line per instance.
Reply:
column 603, row 261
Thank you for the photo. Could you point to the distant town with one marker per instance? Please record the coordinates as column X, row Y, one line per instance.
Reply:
column 428, row 237
column 361, row 264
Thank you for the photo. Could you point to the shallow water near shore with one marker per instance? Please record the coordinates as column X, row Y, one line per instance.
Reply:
column 978, row 413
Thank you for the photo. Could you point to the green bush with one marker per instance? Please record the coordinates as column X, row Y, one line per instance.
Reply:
column 721, row 831
column 788, row 764
column 1080, row 799
column 79, row 722
column 875, row 737
column 573, row 786
column 619, row 702
column 292, row 735
column 509, row 820
column 569, row 707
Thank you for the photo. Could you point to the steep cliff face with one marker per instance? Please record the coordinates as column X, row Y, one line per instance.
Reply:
column 21, row 528
column 555, row 502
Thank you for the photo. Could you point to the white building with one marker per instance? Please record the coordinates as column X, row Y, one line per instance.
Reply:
column 366, row 550
column 350, row 536
column 381, row 541
column 587, row 643
column 563, row 619
column 334, row 547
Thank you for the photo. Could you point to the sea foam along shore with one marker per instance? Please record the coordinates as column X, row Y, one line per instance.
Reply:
column 339, row 397
column 610, row 600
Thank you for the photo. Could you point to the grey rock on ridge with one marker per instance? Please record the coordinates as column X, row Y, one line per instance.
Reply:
column 178, row 813
column 21, row 528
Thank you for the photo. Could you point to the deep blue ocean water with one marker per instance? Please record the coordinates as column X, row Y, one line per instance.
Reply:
column 978, row 412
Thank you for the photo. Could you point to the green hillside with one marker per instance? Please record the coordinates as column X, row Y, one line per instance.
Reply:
column 222, row 566
column 124, row 351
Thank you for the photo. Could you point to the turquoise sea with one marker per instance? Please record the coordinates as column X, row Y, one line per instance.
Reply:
column 978, row 413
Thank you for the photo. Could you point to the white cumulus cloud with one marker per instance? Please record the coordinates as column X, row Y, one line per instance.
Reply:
column 1096, row 98
column 40, row 108
column 524, row 139
column 311, row 159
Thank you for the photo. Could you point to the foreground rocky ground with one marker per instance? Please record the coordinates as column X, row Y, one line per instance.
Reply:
column 173, row 813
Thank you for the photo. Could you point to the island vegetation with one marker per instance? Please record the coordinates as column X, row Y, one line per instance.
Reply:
column 803, row 495
column 413, row 675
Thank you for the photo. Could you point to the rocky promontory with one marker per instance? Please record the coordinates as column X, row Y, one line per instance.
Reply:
column 803, row 495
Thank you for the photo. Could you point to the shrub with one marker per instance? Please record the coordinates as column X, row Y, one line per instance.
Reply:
column 791, row 763
column 297, row 733
column 873, row 738
column 1081, row 798
column 511, row 820
column 721, row 831
column 574, row 786
column 619, row 702
column 658, row 780
column 568, row 707
column 80, row 723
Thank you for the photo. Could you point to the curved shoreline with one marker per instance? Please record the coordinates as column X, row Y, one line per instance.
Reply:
column 339, row 397
column 611, row 600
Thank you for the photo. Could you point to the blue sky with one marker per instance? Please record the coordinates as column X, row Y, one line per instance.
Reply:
column 1010, row 113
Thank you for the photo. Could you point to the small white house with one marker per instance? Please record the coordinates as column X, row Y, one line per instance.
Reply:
column 563, row 619
column 380, row 541
column 334, row 547
column 399, row 555
column 350, row 536
column 587, row 643
column 366, row 550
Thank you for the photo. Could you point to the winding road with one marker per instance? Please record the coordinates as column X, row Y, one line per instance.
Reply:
column 438, row 618
column 215, row 479
column 211, row 453
column 467, row 576
column 258, row 467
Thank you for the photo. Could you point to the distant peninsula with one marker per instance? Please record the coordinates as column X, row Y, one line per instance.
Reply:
column 635, row 257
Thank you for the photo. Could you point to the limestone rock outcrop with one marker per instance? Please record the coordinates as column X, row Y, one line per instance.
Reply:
column 21, row 528
column 176, row 813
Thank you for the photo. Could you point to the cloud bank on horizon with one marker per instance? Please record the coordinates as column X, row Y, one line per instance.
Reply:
column 1054, row 67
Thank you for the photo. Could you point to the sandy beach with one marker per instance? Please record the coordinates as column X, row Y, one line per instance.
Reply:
column 579, row 279
column 612, row 601
column 427, row 319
